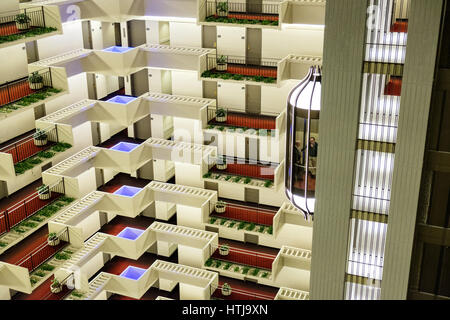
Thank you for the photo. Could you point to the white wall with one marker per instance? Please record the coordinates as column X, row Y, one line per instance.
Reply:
column 231, row 41
column 231, row 95
column 279, row 44
column 14, row 63
column 71, row 39
column 78, row 90
column 186, row 83
column 14, row 126
column 185, row 35
column 274, row 100
column 9, row 5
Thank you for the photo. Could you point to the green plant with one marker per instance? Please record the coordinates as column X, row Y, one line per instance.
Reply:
column 77, row 294
column 222, row 221
column 217, row 176
column 251, row 227
column 207, row 175
column 36, row 219
column 241, row 225
column 265, row 274
column 222, row 7
column 227, row 266
column 47, row 267
column 261, row 229
column 270, row 230
column 209, row 262
column 62, row 256
column 33, row 280
column 232, row 224
column 220, row 128
column 61, row 147
column 247, row 180
column 55, row 283
column 228, row 178
column 3, row 244
column 245, row 270
column 236, row 269
column 22, row 18
column 52, row 236
column 212, row 220
column 255, row 272
column 268, row 183
column 222, row 60
column 31, row 33
column 28, row 224
column 221, row 112
column 43, row 189
column 40, row 273
column 45, row 154
column 237, row 179
column 18, row 229
column 218, row 263
column 35, row 77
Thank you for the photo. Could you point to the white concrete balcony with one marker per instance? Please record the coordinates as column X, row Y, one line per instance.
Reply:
column 42, row 21
column 124, row 61
column 13, row 277
column 291, row 294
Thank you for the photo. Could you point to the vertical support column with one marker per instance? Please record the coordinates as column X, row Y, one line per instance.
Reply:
column 423, row 36
column 342, row 80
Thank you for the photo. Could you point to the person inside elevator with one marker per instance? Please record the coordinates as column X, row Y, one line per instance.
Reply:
column 313, row 149
column 297, row 161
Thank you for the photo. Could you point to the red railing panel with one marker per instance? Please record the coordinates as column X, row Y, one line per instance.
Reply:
column 249, row 258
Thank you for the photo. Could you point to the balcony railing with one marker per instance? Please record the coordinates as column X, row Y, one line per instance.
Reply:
column 240, row 294
column 14, row 91
column 241, row 12
column 22, row 210
column 32, row 145
column 241, row 68
column 241, row 120
column 246, row 213
column 43, row 252
column 32, row 18
column 246, row 257
column 244, row 168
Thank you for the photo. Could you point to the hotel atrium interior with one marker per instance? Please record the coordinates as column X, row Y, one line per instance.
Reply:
column 169, row 150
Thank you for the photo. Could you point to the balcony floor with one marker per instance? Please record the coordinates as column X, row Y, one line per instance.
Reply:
column 121, row 136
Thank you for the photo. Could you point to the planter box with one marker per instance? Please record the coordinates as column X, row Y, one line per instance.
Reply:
column 221, row 166
column 226, row 292
column 55, row 289
column 222, row 13
column 22, row 26
column 44, row 196
column 40, row 143
column 224, row 252
column 36, row 86
column 220, row 209
column 221, row 119
column 222, row 67
column 53, row 243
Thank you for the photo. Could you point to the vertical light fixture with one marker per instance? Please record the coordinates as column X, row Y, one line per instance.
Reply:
column 303, row 111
